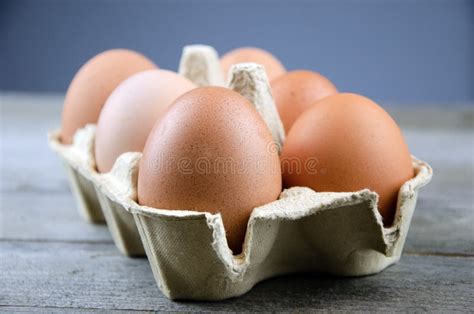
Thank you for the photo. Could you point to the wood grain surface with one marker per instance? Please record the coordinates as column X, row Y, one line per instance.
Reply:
column 51, row 260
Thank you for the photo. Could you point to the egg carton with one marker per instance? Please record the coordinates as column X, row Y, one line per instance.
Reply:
column 78, row 161
column 303, row 231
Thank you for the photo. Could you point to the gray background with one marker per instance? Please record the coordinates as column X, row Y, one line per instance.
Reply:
column 392, row 51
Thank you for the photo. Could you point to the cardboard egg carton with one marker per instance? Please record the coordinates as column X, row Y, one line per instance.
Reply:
column 303, row 231
column 78, row 161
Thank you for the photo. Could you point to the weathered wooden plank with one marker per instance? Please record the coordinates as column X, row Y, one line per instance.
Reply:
column 27, row 163
column 29, row 309
column 443, row 149
column 433, row 116
column 59, row 275
column 442, row 225
column 40, row 216
column 444, row 219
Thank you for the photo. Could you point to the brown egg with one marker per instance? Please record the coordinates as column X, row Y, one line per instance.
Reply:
column 211, row 152
column 272, row 65
column 93, row 83
column 346, row 143
column 296, row 91
column 131, row 111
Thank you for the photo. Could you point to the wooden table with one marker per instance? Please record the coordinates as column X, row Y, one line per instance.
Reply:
column 51, row 260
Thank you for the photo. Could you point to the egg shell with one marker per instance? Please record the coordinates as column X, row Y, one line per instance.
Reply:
column 211, row 152
column 296, row 91
column 272, row 65
column 92, row 85
column 346, row 143
column 131, row 111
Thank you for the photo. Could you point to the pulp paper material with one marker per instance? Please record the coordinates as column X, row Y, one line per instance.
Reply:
column 82, row 187
column 119, row 220
column 94, row 187
column 201, row 65
column 251, row 81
